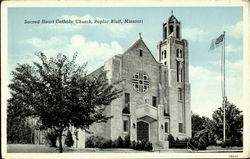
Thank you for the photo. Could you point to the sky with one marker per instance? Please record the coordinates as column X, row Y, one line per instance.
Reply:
column 96, row 43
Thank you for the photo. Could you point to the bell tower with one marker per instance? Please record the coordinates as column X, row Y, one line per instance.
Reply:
column 173, row 55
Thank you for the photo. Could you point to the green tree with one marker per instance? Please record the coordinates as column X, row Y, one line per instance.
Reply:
column 18, row 129
column 203, row 123
column 58, row 93
column 197, row 124
column 234, row 122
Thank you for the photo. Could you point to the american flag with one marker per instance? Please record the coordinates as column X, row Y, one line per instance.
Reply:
column 216, row 42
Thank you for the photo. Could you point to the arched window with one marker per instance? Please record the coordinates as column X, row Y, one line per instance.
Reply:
column 165, row 33
column 171, row 29
column 177, row 32
column 179, row 53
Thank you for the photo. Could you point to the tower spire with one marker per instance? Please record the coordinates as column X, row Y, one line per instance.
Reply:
column 172, row 12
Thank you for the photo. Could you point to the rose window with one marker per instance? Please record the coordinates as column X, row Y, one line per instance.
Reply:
column 140, row 82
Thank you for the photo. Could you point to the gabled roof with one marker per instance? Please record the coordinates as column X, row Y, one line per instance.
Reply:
column 172, row 18
column 138, row 41
column 131, row 47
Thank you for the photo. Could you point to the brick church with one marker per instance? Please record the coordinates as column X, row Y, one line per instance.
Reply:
column 156, row 100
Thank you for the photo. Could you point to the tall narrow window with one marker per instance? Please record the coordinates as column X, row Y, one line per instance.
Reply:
column 180, row 127
column 179, row 53
column 171, row 29
column 165, row 33
column 165, row 54
column 125, row 126
column 179, row 94
column 127, row 99
column 177, row 32
column 180, row 75
column 177, row 69
column 154, row 101
column 166, row 127
column 126, row 109
column 140, row 52
column 162, row 55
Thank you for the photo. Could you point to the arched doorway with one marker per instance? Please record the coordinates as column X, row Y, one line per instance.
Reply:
column 142, row 131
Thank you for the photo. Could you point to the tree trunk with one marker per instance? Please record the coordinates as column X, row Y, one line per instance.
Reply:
column 60, row 143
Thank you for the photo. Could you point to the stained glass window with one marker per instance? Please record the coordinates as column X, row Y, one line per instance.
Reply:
column 140, row 81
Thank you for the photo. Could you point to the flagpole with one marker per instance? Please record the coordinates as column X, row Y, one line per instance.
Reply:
column 224, row 90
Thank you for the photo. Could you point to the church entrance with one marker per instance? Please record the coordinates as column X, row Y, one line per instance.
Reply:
column 142, row 131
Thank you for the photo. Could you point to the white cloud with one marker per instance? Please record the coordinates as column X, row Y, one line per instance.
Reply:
column 93, row 52
column 234, row 30
column 232, row 49
column 206, row 88
column 231, row 67
column 199, row 35
column 52, row 42
column 194, row 34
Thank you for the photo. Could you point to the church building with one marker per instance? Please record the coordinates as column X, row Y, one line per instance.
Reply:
column 156, row 100
column 156, row 97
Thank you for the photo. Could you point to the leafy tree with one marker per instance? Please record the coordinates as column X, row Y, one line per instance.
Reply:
column 203, row 123
column 197, row 124
column 234, row 122
column 58, row 93
column 18, row 129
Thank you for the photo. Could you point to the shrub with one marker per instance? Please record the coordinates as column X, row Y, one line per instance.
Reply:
column 171, row 141
column 148, row 146
column 227, row 143
column 119, row 142
column 89, row 143
column 126, row 143
column 238, row 143
column 200, row 140
column 142, row 145
column 94, row 141
column 202, row 145
column 133, row 144
column 177, row 139
column 51, row 138
column 107, row 143
column 138, row 145
column 114, row 145
column 69, row 140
